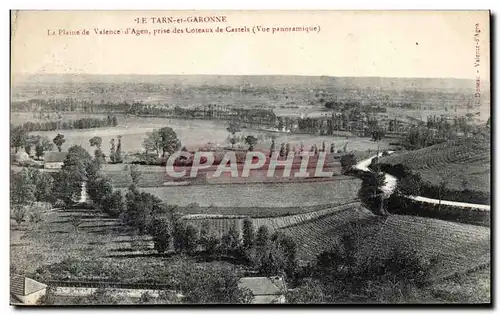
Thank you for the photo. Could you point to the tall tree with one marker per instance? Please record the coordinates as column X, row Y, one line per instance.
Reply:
column 118, row 153
column 43, row 144
column 251, row 141
column 112, row 151
column 153, row 142
column 95, row 142
column 59, row 141
column 248, row 233
column 169, row 140
column 160, row 230
column 17, row 136
column 263, row 237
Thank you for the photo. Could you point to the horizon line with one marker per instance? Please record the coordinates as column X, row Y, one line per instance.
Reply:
column 242, row 75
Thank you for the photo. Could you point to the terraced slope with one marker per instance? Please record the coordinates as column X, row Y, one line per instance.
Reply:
column 455, row 247
column 451, row 247
column 220, row 224
column 322, row 232
column 465, row 163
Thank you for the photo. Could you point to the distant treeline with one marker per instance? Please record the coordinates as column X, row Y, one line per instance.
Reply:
column 83, row 123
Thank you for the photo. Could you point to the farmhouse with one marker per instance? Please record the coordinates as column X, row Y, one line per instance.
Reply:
column 266, row 290
column 54, row 160
column 25, row 291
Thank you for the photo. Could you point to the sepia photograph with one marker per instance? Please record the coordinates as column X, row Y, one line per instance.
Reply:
column 250, row 157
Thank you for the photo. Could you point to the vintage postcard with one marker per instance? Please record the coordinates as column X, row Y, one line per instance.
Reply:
column 250, row 157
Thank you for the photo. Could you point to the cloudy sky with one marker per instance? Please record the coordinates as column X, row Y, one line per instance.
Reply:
column 363, row 43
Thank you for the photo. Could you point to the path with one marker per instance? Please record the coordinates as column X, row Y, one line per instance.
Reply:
column 390, row 186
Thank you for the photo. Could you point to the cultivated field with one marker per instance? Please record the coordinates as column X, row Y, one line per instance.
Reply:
column 451, row 247
column 464, row 163
column 261, row 195
column 100, row 250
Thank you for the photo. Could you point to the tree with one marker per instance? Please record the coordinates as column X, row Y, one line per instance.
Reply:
column 271, row 149
column 169, row 140
column 190, row 238
column 347, row 161
column 377, row 135
column 282, row 150
column 29, row 142
column 442, row 187
column 248, row 233
column 17, row 137
column 99, row 188
column 251, row 141
column 141, row 208
column 371, row 193
column 134, row 172
column 77, row 161
column 113, row 204
column 95, row 142
column 43, row 144
column 153, row 142
column 323, row 147
column 118, row 153
column 310, row 292
column 409, row 185
column 271, row 264
column 262, row 238
column 178, row 235
column 112, row 151
column 22, row 188
column 160, row 230
column 59, row 141
column 231, row 240
column 208, row 286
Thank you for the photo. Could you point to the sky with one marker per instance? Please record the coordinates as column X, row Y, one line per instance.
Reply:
column 349, row 43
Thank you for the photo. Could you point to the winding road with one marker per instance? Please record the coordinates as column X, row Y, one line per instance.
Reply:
column 390, row 186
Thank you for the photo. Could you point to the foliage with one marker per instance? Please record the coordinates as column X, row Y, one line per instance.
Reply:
column 43, row 144
column 251, row 141
column 169, row 141
column 112, row 204
column 160, row 230
column 371, row 193
column 248, row 233
column 213, row 286
column 17, row 136
column 83, row 123
column 141, row 207
column 153, row 142
column 59, row 141
column 263, row 237
column 134, row 172
column 118, row 153
column 347, row 161
column 95, row 142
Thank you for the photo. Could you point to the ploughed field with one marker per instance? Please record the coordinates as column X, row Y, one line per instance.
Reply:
column 450, row 247
column 465, row 164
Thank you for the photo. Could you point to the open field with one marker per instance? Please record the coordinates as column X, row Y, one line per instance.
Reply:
column 465, row 164
column 261, row 195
